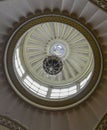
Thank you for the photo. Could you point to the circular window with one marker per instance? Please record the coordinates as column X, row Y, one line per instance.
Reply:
column 53, row 62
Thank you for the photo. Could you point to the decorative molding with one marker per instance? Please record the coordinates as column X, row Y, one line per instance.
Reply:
column 48, row 16
column 10, row 124
column 102, row 125
column 100, row 3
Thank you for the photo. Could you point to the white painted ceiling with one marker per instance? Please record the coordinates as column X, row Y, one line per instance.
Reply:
column 83, row 117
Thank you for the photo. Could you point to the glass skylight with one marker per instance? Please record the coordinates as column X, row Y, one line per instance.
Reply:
column 35, row 87
column 61, row 93
column 18, row 65
column 43, row 91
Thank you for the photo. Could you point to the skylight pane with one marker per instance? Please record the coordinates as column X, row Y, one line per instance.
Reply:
column 64, row 90
column 64, row 94
column 82, row 86
column 89, row 76
column 16, row 64
column 17, row 52
column 36, row 84
column 19, row 72
column 43, row 88
column 23, row 71
column 83, row 82
column 42, row 92
column 72, row 88
column 18, row 60
column 34, row 88
column 56, row 90
column 55, row 94
column 27, row 82
column 54, row 97
column 41, row 95
column 72, row 92
column 28, row 78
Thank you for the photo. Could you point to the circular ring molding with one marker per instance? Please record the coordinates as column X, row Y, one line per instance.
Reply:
column 53, row 35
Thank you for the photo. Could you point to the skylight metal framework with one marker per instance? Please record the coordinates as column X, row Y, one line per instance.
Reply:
column 47, row 92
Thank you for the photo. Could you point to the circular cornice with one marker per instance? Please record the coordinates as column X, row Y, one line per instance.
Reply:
column 70, row 20
column 77, row 58
column 7, row 124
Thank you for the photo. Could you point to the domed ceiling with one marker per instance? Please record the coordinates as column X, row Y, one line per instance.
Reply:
column 53, row 58
column 53, row 63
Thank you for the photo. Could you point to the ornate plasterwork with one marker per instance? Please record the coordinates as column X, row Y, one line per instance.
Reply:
column 9, row 124
column 3, row 128
column 102, row 125
column 55, row 16
column 100, row 3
